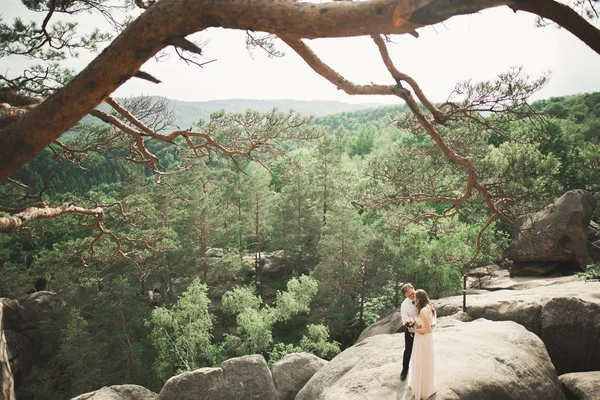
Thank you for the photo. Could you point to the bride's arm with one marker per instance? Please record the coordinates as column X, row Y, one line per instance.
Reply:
column 426, row 318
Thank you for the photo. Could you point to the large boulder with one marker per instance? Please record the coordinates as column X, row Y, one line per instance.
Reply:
column 249, row 377
column 570, row 328
column 22, row 322
column 594, row 250
column 272, row 264
column 367, row 370
column 119, row 392
column 215, row 252
column 203, row 383
column 565, row 316
column 291, row 373
column 473, row 360
column 581, row 385
column 502, row 280
column 246, row 377
column 389, row 322
column 554, row 239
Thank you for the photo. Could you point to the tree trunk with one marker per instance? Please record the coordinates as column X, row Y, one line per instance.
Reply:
column 203, row 247
column 240, row 225
column 285, row 247
column 325, row 192
column 258, row 244
column 298, row 265
column 344, row 265
column 363, row 284
column 397, row 291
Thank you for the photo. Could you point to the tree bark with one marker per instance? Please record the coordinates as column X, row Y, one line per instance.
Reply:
column 169, row 19
column 9, row 224
column 257, row 257
column 298, row 266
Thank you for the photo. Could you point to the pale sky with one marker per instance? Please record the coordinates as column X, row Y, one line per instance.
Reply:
column 477, row 46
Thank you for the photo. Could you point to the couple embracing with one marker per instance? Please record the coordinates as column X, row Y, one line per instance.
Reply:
column 419, row 317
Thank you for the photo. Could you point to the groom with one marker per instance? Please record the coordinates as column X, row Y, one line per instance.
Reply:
column 407, row 310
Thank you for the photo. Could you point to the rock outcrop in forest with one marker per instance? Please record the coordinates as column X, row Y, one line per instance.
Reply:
column 509, row 344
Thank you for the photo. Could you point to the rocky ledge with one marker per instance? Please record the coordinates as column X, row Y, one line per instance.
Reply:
column 476, row 360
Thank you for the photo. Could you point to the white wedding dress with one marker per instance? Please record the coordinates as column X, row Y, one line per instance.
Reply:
column 422, row 380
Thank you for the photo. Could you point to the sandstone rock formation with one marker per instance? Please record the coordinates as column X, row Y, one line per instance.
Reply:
column 245, row 377
column 390, row 322
column 272, row 264
column 565, row 316
column 490, row 357
column 475, row 360
column 214, row 252
column 553, row 240
column 581, row 385
column 23, row 335
column 119, row 392
column 291, row 373
column 501, row 279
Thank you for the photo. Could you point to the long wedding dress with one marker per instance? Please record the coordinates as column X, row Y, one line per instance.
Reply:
column 422, row 380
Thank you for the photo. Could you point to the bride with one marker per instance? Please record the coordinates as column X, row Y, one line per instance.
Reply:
column 422, row 381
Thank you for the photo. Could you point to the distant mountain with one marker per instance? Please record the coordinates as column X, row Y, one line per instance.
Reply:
column 187, row 112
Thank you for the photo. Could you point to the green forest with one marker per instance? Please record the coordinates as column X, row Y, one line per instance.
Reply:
column 351, row 205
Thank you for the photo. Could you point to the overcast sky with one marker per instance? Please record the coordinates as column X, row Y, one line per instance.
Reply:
column 477, row 46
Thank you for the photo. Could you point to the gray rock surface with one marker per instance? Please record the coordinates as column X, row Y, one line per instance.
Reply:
column 503, row 280
column 25, row 344
column 391, row 320
column 565, row 316
column 214, row 252
column 249, row 378
column 594, row 250
column 389, row 323
column 473, row 360
column 273, row 263
column 292, row 372
column 203, row 383
column 555, row 235
column 571, row 331
column 593, row 231
column 119, row 392
column 581, row 385
column 244, row 378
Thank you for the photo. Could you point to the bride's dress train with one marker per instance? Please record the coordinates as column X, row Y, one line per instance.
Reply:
column 421, row 379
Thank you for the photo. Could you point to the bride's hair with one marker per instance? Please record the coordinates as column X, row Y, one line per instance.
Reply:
column 422, row 300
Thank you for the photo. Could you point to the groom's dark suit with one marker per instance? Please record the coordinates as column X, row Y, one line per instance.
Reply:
column 407, row 310
column 409, row 339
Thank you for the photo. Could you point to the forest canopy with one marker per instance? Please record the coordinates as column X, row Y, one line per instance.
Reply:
column 272, row 231
column 193, row 247
column 168, row 22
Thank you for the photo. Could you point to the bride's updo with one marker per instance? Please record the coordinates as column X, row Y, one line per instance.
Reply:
column 422, row 300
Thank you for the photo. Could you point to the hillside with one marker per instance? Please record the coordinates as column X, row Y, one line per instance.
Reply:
column 187, row 112
column 231, row 259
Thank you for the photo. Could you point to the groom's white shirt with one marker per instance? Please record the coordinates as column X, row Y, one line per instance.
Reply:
column 408, row 309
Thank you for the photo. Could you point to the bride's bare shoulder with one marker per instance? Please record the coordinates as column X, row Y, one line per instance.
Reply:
column 426, row 311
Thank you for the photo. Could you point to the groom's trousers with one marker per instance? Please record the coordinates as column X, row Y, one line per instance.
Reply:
column 408, row 340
